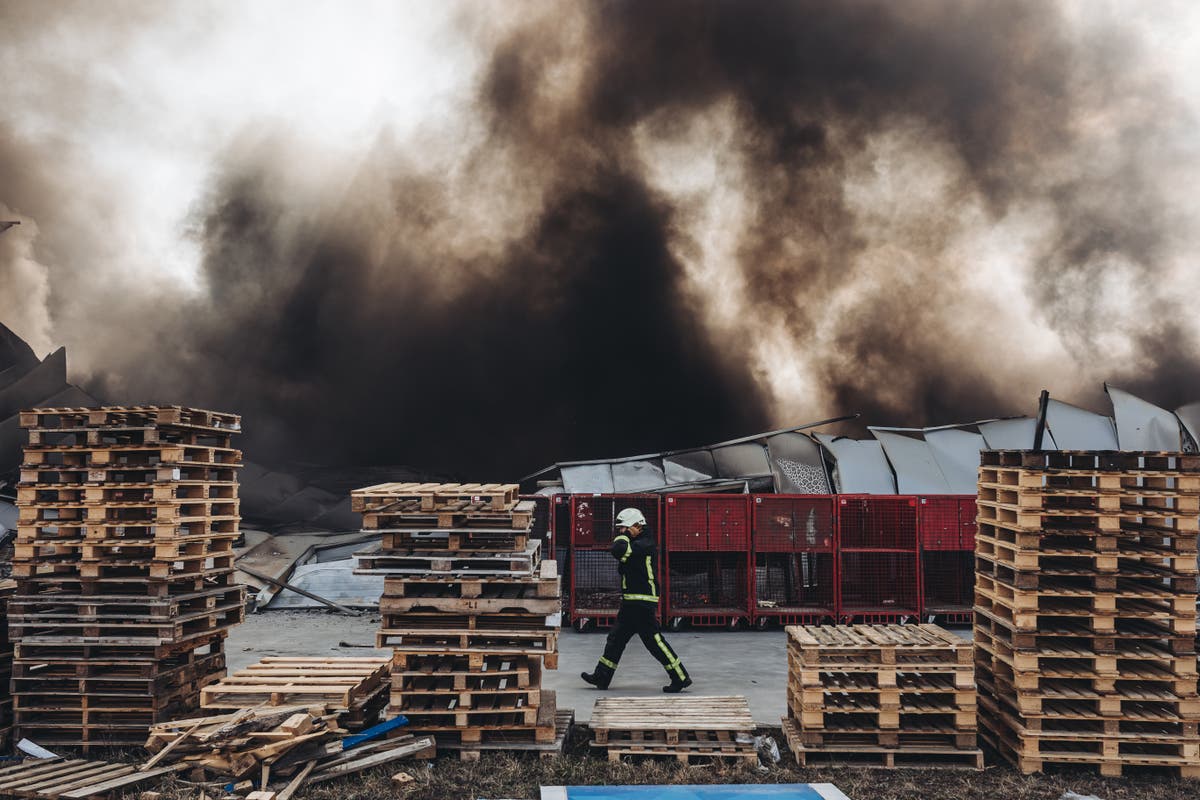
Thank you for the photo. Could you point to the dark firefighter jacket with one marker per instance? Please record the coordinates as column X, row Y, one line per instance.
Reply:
column 635, row 557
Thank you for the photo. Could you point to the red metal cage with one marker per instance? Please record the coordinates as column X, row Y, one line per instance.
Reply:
column 708, row 552
column 878, row 558
column 595, row 594
column 794, row 540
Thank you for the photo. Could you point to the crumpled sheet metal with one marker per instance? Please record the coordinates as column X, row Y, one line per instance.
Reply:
column 861, row 465
column 797, row 465
column 1142, row 425
column 588, row 479
column 1076, row 428
column 917, row 471
column 637, row 476
column 957, row 453
column 1189, row 415
column 1014, row 434
column 741, row 460
column 689, row 467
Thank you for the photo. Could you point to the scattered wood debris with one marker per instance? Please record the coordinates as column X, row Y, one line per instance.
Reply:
column 72, row 778
column 280, row 749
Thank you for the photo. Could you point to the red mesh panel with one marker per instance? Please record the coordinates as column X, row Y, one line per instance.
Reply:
column 592, row 516
column 729, row 524
column 968, row 518
column 707, row 583
column 949, row 578
column 595, row 583
column 939, row 521
column 687, row 523
column 878, row 522
column 562, row 522
column 873, row 582
column 793, row 523
column 794, row 583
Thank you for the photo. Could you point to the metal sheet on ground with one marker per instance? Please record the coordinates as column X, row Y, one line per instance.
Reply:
column 783, row 791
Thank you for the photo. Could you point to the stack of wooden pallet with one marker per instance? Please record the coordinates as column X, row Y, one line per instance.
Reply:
column 1085, row 608
column 124, row 566
column 881, row 695
column 683, row 728
column 471, row 610
column 356, row 689
column 7, row 587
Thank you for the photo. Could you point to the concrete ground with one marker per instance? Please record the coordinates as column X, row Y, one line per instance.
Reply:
column 752, row 663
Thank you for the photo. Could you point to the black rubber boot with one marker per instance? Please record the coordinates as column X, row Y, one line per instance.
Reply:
column 600, row 678
column 676, row 686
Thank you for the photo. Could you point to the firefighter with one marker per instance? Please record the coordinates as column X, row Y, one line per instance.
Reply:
column 634, row 549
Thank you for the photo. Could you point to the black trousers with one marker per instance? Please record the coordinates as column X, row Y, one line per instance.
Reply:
column 639, row 618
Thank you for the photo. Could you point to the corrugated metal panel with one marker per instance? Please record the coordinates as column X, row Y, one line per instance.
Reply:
column 1142, row 425
column 1075, row 428
column 917, row 471
column 957, row 453
column 637, row 476
column 797, row 465
column 588, row 479
column 861, row 465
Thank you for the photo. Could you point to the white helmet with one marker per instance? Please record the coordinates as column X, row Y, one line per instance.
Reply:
column 630, row 517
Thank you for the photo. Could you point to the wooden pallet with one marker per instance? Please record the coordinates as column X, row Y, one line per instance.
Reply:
column 432, row 496
column 1056, row 480
column 524, row 726
column 452, row 641
column 518, row 600
column 409, row 515
column 545, row 584
column 1126, row 555
column 58, row 475
column 1113, row 521
column 885, row 646
column 524, row 563
column 564, row 721
column 1078, row 631
column 453, row 539
column 1092, row 460
column 921, row 755
column 66, row 629
column 72, row 778
column 464, row 673
column 672, row 721
column 338, row 683
column 55, row 418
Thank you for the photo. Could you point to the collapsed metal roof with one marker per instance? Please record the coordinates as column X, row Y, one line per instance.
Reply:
column 937, row 460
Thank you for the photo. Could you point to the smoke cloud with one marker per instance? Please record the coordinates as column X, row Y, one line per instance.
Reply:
column 606, row 228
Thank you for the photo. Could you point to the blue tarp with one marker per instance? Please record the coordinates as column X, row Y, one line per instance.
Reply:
column 791, row 791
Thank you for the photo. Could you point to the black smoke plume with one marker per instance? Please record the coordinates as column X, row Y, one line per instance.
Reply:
column 539, row 299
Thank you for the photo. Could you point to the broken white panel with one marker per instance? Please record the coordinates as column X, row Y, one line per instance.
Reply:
column 637, row 476
column 957, row 453
column 797, row 464
column 741, row 460
column 1076, row 428
column 1142, row 425
column 333, row 580
column 689, row 467
column 861, row 466
column 588, row 479
column 1014, row 434
column 1189, row 415
column 917, row 471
